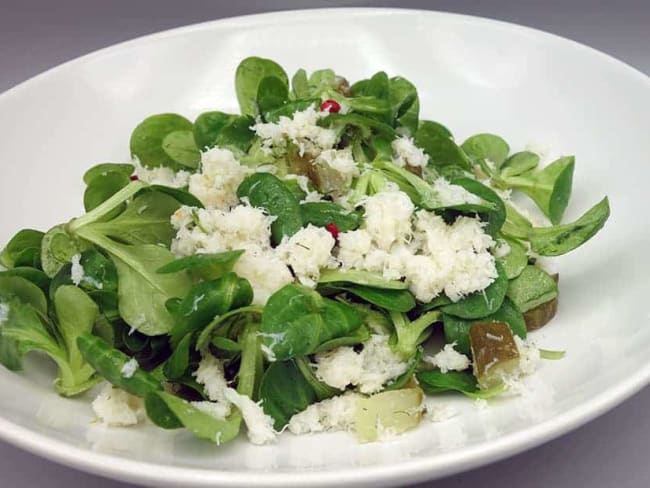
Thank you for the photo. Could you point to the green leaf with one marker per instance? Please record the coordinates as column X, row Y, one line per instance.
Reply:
column 204, row 266
column 398, row 300
column 531, row 288
column 146, row 220
column 23, row 331
column 323, row 390
column 481, row 303
column 410, row 334
column 34, row 275
column 434, row 381
column 405, row 105
column 296, row 320
column 248, row 76
column 107, row 208
column 23, row 249
column 516, row 260
column 358, row 277
column 245, row 314
column 442, row 150
column 300, row 85
column 142, row 291
column 102, row 169
column 268, row 192
column 322, row 213
column 147, row 139
column 180, row 147
column 561, row 239
column 208, row 126
column 272, row 93
column 168, row 411
column 495, row 214
column 366, row 126
column 179, row 361
column 289, row 108
column 26, row 291
column 378, row 86
column 102, row 187
column 519, row 163
column 550, row 188
column 457, row 329
column 207, row 300
column 183, row 197
column 109, row 363
column 284, row 392
column 358, row 336
column 486, row 147
column 424, row 195
column 57, row 248
column 76, row 314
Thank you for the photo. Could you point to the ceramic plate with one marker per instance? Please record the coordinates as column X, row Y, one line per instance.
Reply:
column 475, row 75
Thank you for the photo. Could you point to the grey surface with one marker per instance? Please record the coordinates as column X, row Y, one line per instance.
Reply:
column 38, row 34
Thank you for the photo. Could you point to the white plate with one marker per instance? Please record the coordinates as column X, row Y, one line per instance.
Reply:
column 472, row 74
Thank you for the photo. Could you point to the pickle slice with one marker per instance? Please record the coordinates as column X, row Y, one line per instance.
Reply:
column 494, row 352
column 388, row 413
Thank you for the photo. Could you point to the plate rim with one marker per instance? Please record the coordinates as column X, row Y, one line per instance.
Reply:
column 409, row 471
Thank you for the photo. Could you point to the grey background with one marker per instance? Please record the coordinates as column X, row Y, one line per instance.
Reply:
column 38, row 34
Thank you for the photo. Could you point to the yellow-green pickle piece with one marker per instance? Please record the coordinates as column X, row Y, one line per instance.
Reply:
column 494, row 352
column 388, row 413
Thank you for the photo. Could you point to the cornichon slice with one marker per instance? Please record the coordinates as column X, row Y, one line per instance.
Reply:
column 494, row 352
column 388, row 413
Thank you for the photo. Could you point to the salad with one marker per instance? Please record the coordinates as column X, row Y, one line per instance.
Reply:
column 322, row 261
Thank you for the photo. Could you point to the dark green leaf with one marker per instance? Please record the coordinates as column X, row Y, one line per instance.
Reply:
column 147, row 139
column 142, row 291
column 403, row 98
column 358, row 277
column 101, row 169
column 109, row 363
column 323, row 213
column 560, row 239
column 531, row 288
column 205, row 266
column 486, row 147
column 272, row 93
column 267, row 191
column 434, row 381
column 250, row 72
column 519, row 163
column 442, row 150
column 398, row 300
column 297, row 320
column 179, row 145
column 34, row 275
column 102, row 187
column 23, row 249
column 285, row 392
column 146, row 220
column 550, row 187
column 178, row 362
column 208, row 300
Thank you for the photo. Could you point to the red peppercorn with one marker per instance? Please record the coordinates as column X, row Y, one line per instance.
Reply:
column 331, row 106
column 134, row 178
column 333, row 229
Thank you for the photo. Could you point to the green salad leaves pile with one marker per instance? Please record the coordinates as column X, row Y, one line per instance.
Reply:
column 108, row 296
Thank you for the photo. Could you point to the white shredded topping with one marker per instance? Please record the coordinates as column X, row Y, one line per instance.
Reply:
column 448, row 359
column 369, row 369
column 129, row 368
column 77, row 272
column 4, row 313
